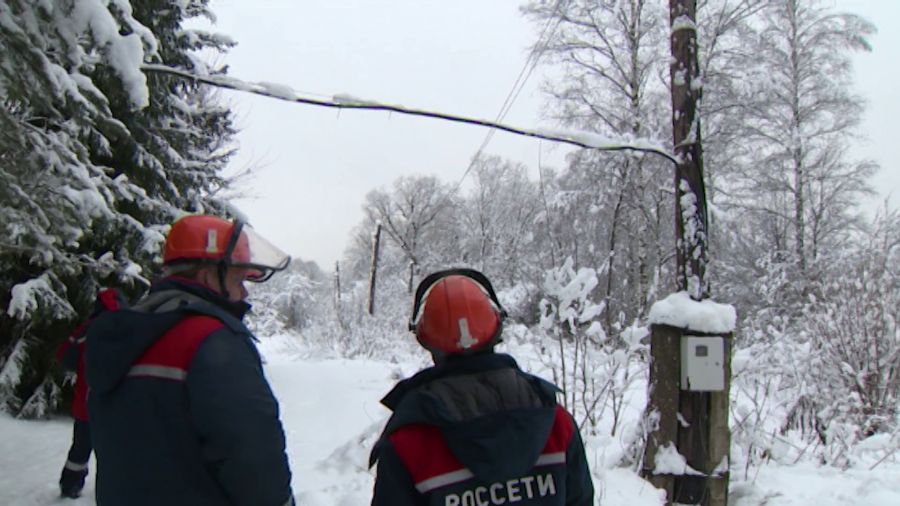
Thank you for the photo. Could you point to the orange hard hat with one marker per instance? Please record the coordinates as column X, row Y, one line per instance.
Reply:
column 210, row 239
column 198, row 237
column 456, row 312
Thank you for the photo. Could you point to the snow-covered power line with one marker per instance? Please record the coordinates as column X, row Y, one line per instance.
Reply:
column 587, row 140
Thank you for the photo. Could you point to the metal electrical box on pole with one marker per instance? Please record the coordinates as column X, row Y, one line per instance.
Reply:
column 702, row 363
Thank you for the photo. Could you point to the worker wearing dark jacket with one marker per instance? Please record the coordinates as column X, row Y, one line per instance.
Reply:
column 181, row 412
column 71, row 356
column 474, row 429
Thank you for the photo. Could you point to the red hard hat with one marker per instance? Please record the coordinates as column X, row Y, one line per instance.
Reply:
column 211, row 239
column 456, row 312
column 200, row 237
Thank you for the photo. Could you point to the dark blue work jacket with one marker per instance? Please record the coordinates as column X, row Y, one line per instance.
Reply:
column 181, row 413
column 477, row 431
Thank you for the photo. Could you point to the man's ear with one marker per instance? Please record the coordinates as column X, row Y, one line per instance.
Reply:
column 207, row 277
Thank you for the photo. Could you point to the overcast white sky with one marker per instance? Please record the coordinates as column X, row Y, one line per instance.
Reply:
column 315, row 165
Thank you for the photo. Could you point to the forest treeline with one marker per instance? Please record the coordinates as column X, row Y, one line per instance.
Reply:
column 97, row 158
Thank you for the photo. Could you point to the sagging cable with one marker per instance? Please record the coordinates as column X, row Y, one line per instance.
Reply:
column 587, row 140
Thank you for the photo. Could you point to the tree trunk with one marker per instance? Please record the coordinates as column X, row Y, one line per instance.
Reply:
column 373, row 272
column 690, row 205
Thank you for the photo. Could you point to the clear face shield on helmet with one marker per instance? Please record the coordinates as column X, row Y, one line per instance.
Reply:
column 247, row 249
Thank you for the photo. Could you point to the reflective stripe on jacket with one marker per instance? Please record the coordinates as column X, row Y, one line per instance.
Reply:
column 181, row 411
column 478, row 431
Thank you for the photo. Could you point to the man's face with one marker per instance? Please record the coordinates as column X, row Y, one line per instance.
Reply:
column 235, row 277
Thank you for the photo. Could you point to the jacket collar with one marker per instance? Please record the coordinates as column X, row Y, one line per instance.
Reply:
column 450, row 366
column 237, row 309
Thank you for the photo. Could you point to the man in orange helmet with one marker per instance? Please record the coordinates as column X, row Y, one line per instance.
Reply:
column 474, row 429
column 181, row 412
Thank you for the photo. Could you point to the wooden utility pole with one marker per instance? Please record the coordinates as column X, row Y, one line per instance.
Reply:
column 691, row 420
column 412, row 275
column 690, row 205
column 338, row 310
column 373, row 272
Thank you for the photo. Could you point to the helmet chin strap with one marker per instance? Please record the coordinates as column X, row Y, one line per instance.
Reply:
column 226, row 258
column 222, row 271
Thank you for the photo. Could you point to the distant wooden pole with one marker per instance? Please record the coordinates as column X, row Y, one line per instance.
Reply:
column 337, row 294
column 412, row 276
column 337, row 285
column 373, row 272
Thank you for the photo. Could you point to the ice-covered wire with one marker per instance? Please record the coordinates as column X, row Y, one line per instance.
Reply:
column 581, row 140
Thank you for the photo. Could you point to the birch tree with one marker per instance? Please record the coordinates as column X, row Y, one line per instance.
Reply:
column 419, row 217
column 497, row 219
column 800, row 115
column 612, row 59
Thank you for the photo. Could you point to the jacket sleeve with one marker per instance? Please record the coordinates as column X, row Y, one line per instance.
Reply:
column 393, row 483
column 237, row 417
column 579, row 484
column 69, row 352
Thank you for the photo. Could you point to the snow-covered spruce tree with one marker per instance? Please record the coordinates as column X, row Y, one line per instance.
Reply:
column 96, row 160
column 52, row 114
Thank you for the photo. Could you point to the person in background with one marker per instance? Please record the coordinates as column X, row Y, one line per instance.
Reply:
column 71, row 356
column 181, row 412
column 474, row 429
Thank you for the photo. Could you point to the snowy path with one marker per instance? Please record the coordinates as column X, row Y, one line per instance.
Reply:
column 331, row 415
column 325, row 404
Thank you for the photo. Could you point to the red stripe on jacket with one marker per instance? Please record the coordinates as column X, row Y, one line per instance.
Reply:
column 176, row 348
column 110, row 299
column 561, row 435
column 425, row 453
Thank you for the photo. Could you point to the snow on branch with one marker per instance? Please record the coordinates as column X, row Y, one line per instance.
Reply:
column 586, row 140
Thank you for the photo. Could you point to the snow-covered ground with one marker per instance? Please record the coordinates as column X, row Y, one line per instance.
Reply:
column 332, row 415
